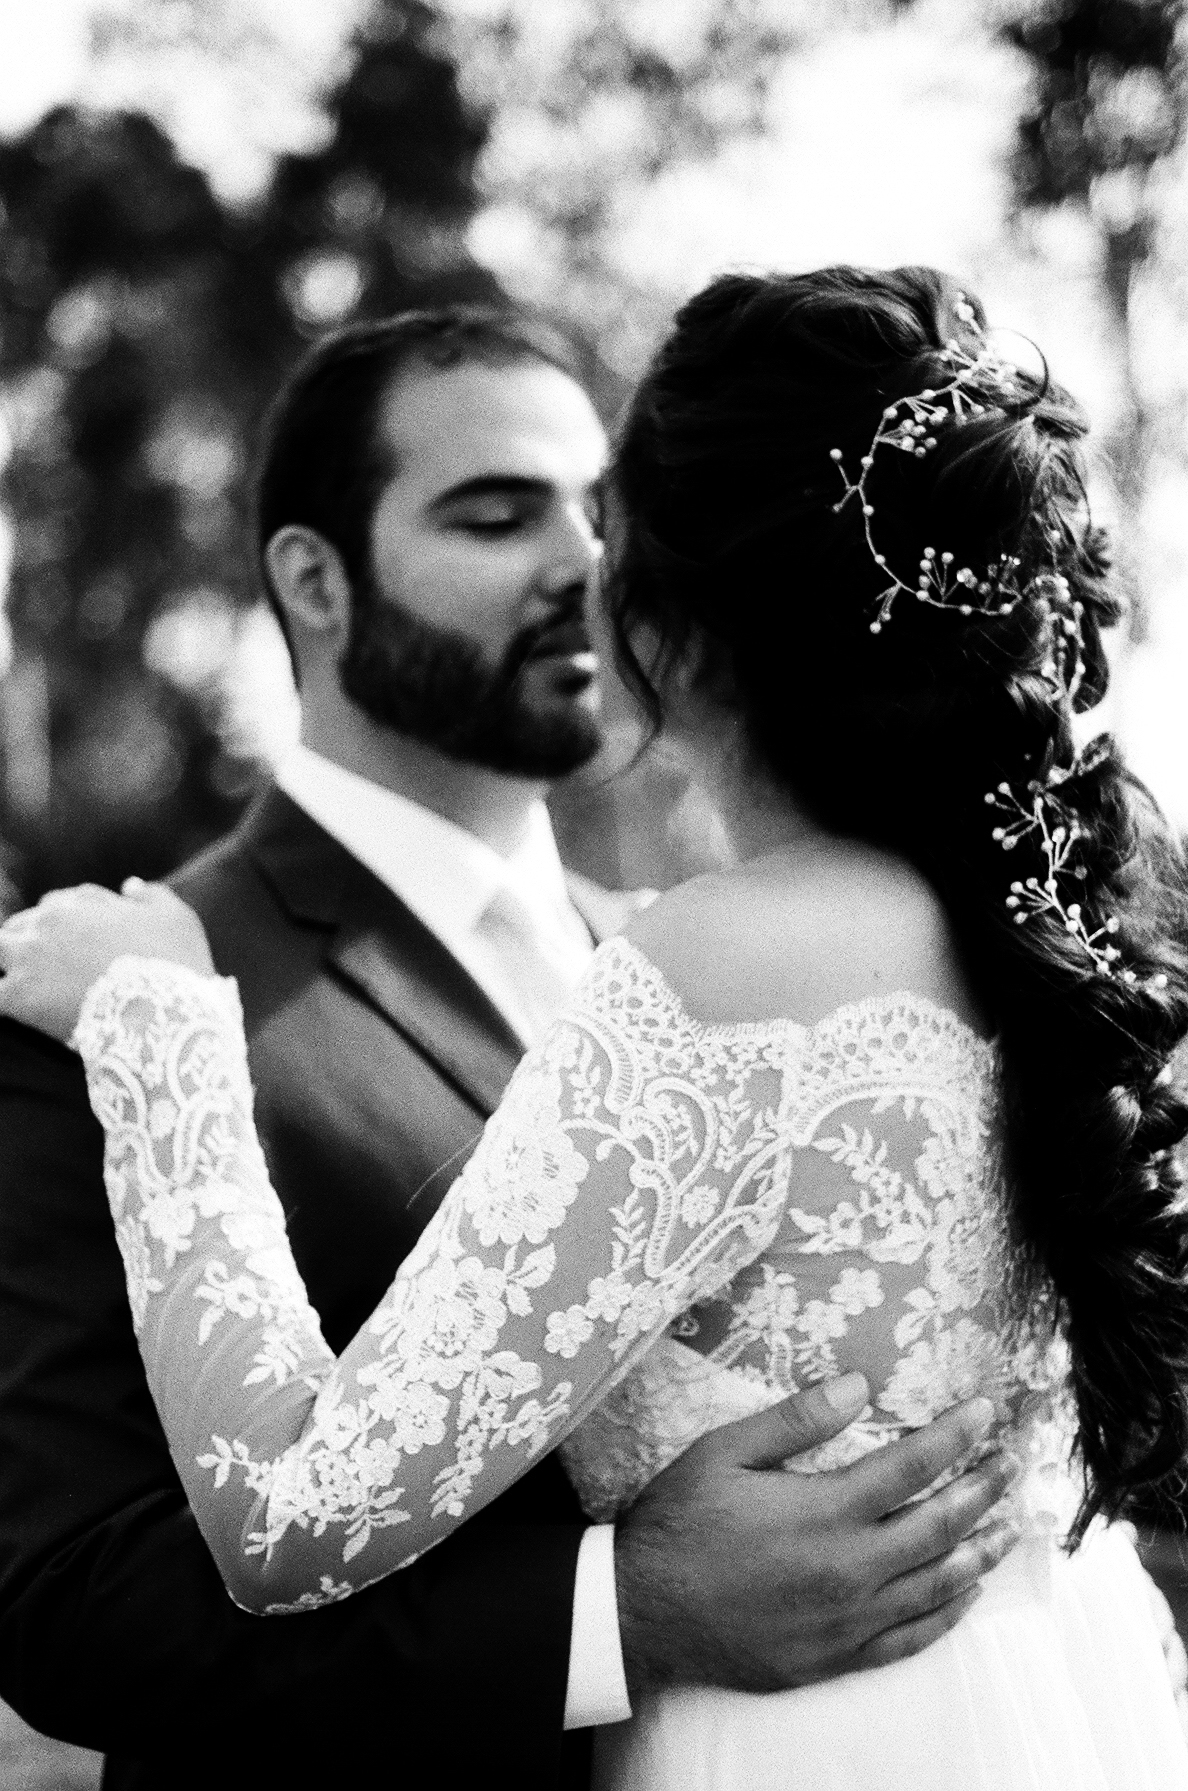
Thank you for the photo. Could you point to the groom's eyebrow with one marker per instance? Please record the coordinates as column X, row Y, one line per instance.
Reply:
column 492, row 485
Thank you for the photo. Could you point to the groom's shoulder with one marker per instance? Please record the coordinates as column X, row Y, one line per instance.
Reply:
column 230, row 871
column 33, row 1064
column 217, row 877
column 237, row 903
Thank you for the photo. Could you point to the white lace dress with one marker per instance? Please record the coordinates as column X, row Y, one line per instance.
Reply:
column 666, row 1225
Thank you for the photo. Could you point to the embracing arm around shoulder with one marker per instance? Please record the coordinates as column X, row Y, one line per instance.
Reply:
column 553, row 1261
column 116, row 1632
column 605, row 1198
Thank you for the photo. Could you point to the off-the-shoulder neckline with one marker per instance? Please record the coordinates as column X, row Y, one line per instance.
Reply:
column 780, row 1026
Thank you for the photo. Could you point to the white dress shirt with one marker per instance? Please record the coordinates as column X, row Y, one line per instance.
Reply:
column 450, row 879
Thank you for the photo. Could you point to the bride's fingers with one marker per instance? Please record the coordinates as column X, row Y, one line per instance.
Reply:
column 13, row 995
column 138, row 890
column 17, row 932
column 24, row 921
column 79, row 895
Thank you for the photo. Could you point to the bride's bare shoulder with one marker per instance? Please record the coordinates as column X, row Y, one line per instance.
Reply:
column 797, row 935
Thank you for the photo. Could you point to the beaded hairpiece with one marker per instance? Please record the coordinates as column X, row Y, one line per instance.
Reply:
column 1056, row 830
column 1057, row 833
column 910, row 425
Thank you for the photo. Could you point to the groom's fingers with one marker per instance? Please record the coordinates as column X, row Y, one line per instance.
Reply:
column 933, row 1527
column 912, row 1638
column 915, row 1595
column 768, row 1438
column 886, row 1479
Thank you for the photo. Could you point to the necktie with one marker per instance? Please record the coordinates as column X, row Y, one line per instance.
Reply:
column 540, row 977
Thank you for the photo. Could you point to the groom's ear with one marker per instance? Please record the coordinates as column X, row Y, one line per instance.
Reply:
column 310, row 581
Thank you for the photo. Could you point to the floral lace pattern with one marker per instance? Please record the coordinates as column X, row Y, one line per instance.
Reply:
column 784, row 1201
column 892, row 1256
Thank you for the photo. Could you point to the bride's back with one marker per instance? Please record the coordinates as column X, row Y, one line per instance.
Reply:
column 796, row 933
column 842, row 517
column 818, row 994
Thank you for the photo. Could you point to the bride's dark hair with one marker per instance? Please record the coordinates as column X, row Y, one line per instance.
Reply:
column 730, row 536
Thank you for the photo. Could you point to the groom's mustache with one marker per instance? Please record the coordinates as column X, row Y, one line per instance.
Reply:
column 560, row 635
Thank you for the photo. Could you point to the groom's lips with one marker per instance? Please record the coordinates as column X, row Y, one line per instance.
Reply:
column 564, row 640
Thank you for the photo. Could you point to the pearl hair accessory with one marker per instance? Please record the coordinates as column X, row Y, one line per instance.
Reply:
column 1042, row 815
column 910, row 425
column 979, row 383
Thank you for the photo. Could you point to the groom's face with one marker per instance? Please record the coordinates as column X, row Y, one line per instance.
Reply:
column 471, row 634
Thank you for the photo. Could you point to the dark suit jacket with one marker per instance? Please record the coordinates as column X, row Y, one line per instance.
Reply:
column 376, row 1060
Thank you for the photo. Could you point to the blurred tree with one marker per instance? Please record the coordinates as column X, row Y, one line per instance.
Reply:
column 593, row 102
column 145, row 325
column 1109, row 108
column 147, row 320
column 590, row 105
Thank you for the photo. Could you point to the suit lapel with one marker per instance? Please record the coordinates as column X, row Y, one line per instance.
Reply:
column 404, row 969
column 380, row 947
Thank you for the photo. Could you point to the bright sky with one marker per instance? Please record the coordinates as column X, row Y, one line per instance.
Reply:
column 230, row 112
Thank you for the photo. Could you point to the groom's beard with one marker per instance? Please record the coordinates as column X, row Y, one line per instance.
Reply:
column 435, row 685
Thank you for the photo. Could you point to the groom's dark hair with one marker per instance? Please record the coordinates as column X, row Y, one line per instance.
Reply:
column 323, row 461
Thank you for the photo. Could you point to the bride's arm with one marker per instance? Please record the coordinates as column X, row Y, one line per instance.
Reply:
column 563, row 1249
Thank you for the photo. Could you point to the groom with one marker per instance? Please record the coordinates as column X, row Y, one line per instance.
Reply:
column 400, row 928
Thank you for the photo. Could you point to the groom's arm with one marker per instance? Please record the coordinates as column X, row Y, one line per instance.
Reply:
column 115, row 1630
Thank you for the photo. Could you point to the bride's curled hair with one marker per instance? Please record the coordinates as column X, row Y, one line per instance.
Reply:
column 732, row 534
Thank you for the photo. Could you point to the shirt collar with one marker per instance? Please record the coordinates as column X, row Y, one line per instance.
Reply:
column 446, row 875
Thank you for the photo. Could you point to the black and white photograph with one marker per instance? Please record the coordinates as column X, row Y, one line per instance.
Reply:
column 594, row 895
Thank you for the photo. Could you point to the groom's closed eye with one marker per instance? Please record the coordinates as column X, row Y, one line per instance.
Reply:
column 493, row 505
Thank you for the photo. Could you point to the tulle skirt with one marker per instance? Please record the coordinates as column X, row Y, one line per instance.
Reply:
column 1054, row 1681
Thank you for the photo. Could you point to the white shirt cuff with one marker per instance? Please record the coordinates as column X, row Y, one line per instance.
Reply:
column 597, row 1688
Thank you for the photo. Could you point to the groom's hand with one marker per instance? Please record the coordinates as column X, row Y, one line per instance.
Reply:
column 733, row 1572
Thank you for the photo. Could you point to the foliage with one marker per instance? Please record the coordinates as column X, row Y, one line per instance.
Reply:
column 1108, row 105
column 146, row 323
column 590, row 106
column 147, row 319
column 1109, row 112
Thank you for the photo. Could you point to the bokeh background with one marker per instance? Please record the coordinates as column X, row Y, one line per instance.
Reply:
column 192, row 190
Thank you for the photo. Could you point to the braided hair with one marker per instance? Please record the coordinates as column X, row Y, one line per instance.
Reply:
column 732, row 533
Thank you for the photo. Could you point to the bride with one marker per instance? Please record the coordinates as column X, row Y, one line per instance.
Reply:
column 890, row 1095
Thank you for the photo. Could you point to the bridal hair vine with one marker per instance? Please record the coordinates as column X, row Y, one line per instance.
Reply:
column 910, row 425
column 1041, row 816
column 981, row 382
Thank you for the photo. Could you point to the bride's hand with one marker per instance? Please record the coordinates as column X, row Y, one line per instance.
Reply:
column 50, row 955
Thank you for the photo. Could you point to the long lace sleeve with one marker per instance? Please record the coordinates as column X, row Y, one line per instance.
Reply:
column 629, row 1172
